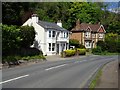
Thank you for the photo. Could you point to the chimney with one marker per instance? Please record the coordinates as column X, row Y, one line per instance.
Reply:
column 78, row 22
column 59, row 23
column 99, row 23
column 35, row 18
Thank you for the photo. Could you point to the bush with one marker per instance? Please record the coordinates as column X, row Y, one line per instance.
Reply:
column 14, row 38
column 29, row 52
column 81, row 51
column 68, row 53
column 102, row 44
column 12, row 60
column 81, row 46
column 97, row 50
column 74, row 42
column 78, row 51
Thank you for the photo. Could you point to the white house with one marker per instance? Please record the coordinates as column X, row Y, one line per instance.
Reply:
column 51, row 38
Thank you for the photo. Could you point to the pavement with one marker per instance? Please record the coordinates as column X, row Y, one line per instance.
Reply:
column 59, row 58
column 109, row 77
column 71, row 73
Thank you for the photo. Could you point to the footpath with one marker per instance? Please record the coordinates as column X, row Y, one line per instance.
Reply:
column 109, row 77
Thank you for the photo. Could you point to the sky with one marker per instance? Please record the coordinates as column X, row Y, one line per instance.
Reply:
column 112, row 5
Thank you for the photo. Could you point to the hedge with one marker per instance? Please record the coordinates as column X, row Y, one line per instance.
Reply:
column 69, row 53
column 81, row 51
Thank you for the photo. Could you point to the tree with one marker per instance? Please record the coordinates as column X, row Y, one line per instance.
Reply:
column 27, row 35
column 14, row 38
column 86, row 12
column 74, row 42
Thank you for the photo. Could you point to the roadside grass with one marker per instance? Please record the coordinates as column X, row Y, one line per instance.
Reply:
column 94, row 82
column 33, row 57
column 16, row 60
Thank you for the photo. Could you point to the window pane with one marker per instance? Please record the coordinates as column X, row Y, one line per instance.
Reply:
column 49, row 33
column 49, row 46
column 53, row 35
column 53, row 46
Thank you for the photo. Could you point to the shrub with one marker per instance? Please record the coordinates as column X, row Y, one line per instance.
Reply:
column 68, row 53
column 12, row 60
column 81, row 46
column 81, row 51
column 97, row 50
column 14, row 38
column 102, row 44
column 74, row 42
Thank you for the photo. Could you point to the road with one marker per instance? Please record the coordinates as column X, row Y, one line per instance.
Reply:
column 54, row 74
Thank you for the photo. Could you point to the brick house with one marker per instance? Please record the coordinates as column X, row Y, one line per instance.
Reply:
column 88, row 34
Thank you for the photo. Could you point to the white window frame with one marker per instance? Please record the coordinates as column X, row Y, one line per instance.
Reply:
column 53, row 46
column 49, row 46
column 53, row 34
column 87, row 34
column 50, row 34
column 88, row 44
column 100, row 35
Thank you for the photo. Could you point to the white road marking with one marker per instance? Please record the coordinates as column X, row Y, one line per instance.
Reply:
column 14, row 79
column 80, row 61
column 76, row 61
column 56, row 67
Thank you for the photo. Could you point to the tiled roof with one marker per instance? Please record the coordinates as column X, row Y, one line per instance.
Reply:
column 45, row 24
column 84, row 26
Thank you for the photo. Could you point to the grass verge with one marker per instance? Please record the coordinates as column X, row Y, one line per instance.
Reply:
column 95, row 80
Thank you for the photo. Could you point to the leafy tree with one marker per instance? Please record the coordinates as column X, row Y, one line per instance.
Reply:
column 27, row 35
column 74, row 42
column 111, row 43
column 86, row 12
column 14, row 38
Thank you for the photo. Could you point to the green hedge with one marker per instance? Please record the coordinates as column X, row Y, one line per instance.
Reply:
column 81, row 51
column 69, row 53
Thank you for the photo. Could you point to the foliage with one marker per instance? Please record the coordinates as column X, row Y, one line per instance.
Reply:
column 14, row 38
column 33, row 57
column 86, row 12
column 102, row 44
column 74, row 42
column 81, row 46
column 16, row 13
column 97, row 50
column 11, row 60
column 68, row 53
column 77, row 51
column 112, row 42
column 27, row 35
column 81, row 51
column 10, row 38
column 14, row 59
column 110, row 45
column 95, row 81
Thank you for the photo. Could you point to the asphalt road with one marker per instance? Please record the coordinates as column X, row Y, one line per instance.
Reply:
column 55, row 74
